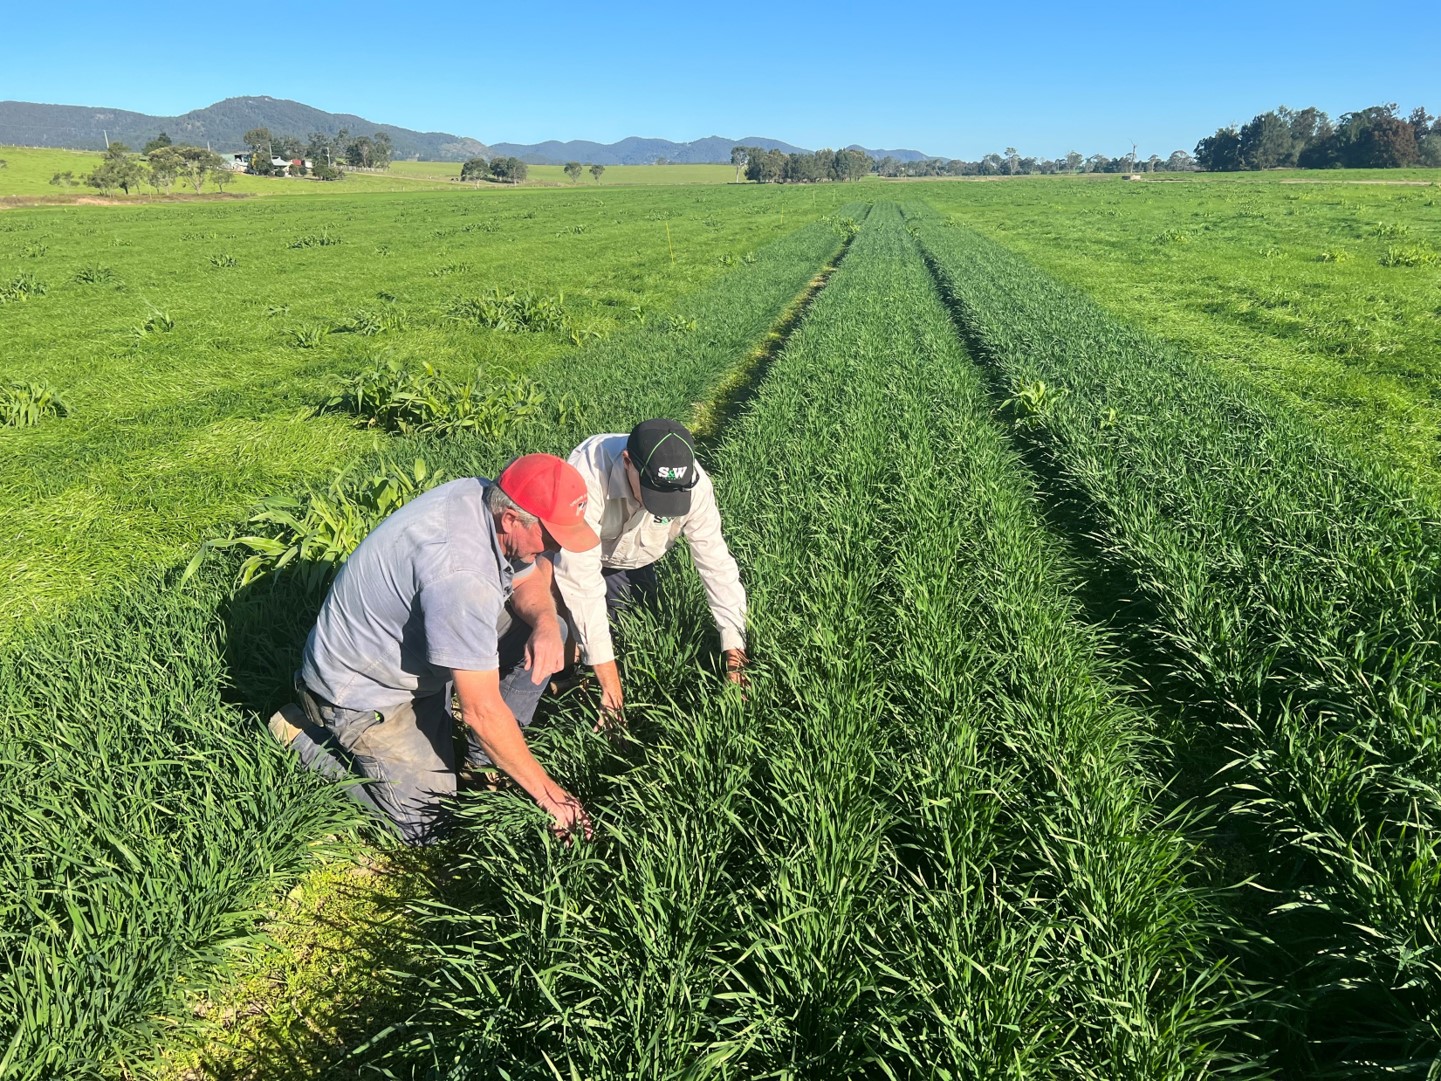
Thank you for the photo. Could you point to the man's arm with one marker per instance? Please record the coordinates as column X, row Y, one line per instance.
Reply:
column 720, row 576
column 582, row 587
column 501, row 738
column 533, row 603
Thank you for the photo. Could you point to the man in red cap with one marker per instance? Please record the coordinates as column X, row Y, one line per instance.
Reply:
column 447, row 590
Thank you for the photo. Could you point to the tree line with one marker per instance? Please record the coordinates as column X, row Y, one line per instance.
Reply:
column 511, row 170
column 160, row 165
column 326, row 151
column 775, row 166
column 1372, row 138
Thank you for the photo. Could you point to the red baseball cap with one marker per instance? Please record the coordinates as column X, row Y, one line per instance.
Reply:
column 552, row 490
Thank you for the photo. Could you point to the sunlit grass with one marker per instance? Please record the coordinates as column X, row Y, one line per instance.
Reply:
column 1281, row 283
column 189, row 342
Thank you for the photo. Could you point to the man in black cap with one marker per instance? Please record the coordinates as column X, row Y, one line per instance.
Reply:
column 646, row 491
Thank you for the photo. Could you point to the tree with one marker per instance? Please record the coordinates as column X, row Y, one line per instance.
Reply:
column 852, row 165
column 381, row 151
column 1386, row 141
column 511, row 169
column 196, row 165
column 288, row 147
column 321, row 147
column 323, row 170
column 1428, row 149
column 359, row 152
column 1266, row 142
column 160, row 141
column 596, row 170
column 1221, row 152
column 573, row 169
column 1180, row 162
column 222, row 174
column 1074, row 161
column 1307, row 125
column 117, row 169
column 476, row 169
column 738, row 159
column 63, row 180
column 163, row 166
column 1013, row 160
column 262, row 150
column 259, row 141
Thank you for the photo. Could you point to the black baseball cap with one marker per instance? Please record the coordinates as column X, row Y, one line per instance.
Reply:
column 663, row 452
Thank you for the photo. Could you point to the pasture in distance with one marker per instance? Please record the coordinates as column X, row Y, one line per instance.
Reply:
column 1325, row 290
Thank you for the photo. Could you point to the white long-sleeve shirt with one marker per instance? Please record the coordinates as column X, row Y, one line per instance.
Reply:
column 630, row 536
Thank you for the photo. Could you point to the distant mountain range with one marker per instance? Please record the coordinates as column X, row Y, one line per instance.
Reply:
column 636, row 151
column 224, row 124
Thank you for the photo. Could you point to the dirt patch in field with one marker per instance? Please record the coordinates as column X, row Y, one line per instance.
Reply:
column 9, row 202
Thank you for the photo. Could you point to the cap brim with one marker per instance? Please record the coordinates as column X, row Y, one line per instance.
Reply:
column 576, row 537
column 665, row 502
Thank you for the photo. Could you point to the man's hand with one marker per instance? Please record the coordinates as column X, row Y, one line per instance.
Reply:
column 502, row 740
column 736, row 667
column 612, row 699
column 544, row 651
column 571, row 821
column 612, row 716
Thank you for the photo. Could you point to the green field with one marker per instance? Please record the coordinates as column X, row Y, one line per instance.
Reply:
column 1093, row 585
column 157, row 353
column 1325, row 293
column 28, row 172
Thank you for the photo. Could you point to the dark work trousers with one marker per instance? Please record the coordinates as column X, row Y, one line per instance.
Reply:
column 406, row 756
column 626, row 586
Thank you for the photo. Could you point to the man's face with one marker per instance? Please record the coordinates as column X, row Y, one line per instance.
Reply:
column 633, row 475
column 521, row 541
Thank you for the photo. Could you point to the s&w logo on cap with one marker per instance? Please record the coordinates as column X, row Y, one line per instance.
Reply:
column 671, row 472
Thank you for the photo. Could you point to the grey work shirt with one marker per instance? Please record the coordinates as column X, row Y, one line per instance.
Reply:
column 423, row 594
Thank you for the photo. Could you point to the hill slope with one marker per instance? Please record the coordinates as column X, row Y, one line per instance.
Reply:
column 221, row 125
column 224, row 124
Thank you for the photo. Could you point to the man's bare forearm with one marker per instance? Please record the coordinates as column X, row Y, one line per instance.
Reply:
column 533, row 600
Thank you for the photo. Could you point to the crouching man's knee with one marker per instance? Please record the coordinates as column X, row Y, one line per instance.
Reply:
column 420, row 813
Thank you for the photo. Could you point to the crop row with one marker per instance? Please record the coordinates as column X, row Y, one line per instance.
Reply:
column 923, row 844
column 1288, row 598
column 146, row 815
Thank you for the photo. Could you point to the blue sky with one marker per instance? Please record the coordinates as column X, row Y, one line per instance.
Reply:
column 955, row 80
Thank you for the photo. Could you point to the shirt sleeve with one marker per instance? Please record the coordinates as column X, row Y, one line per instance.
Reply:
column 716, row 566
column 460, row 613
column 582, row 588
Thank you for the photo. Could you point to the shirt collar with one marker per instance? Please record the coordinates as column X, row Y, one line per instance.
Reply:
column 618, row 485
column 503, row 565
